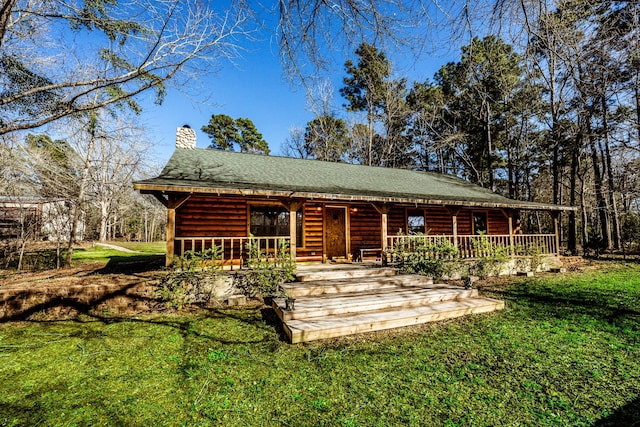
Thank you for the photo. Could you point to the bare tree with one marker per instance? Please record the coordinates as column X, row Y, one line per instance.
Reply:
column 310, row 30
column 131, row 46
column 326, row 135
column 295, row 145
column 396, row 145
column 117, row 156
column 320, row 98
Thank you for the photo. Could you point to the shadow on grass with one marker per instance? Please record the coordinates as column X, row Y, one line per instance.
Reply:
column 181, row 322
column 628, row 415
column 24, row 303
column 34, row 409
column 15, row 303
column 577, row 303
column 184, row 324
column 542, row 302
column 629, row 258
column 196, row 341
column 133, row 264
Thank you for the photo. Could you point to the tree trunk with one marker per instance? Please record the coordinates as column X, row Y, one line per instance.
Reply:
column 146, row 226
column 555, row 143
column 77, row 207
column 104, row 219
column 583, row 211
column 555, row 168
column 5, row 15
column 637, row 95
column 571, row 238
column 489, row 149
column 58, row 254
column 510, row 166
column 370, row 148
column 598, row 186
column 610, row 180
column 23, row 245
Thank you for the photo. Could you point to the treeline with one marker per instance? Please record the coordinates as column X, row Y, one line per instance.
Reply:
column 553, row 116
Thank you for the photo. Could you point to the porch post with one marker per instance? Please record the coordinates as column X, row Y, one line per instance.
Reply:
column 384, row 231
column 556, row 227
column 293, row 230
column 171, row 231
column 172, row 205
column 383, row 210
column 508, row 213
column 511, row 248
column 454, row 211
column 293, row 235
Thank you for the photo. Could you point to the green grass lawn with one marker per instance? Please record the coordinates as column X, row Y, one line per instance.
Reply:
column 147, row 247
column 565, row 351
column 43, row 259
column 147, row 253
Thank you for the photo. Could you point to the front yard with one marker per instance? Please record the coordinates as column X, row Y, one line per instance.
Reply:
column 565, row 351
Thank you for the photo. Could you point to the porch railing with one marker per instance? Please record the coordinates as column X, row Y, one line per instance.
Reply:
column 477, row 246
column 232, row 250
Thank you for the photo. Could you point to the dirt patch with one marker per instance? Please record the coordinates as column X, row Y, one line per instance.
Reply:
column 89, row 274
column 84, row 289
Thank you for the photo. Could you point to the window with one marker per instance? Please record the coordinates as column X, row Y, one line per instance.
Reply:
column 273, row 220
column 415, row 222
column 479, row 223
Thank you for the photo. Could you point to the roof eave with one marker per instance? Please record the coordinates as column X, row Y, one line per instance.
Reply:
column 164, row 188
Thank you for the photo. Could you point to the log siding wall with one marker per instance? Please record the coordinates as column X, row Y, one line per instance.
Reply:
column 312, row 229
column 366, row 228
column 439, row 220
column 212, row 217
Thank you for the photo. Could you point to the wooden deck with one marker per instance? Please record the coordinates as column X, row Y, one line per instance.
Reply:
column 336, row 302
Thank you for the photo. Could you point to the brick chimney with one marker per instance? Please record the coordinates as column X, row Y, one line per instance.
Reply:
column 185, row 137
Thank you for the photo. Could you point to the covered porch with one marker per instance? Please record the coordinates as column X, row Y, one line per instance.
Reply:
column 361, row 232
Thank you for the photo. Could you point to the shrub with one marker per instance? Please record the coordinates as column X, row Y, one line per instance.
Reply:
column 535, row 256
column 267, row 272
column 434, row 256
column 490, row 264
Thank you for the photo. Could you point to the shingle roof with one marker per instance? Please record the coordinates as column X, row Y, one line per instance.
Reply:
column 216, row 171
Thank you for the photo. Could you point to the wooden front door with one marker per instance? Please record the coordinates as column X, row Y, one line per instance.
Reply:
column 335, row 235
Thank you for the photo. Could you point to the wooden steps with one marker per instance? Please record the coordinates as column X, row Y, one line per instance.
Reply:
column 349, row 301
column 316, row 328
column 346, row 272
column 388, row 298
column 336, row 286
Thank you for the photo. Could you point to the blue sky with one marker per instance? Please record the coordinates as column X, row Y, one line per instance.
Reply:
column 252, row 88
column 255, row 88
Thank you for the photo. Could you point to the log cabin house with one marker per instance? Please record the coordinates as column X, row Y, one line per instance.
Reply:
column 326, row 211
